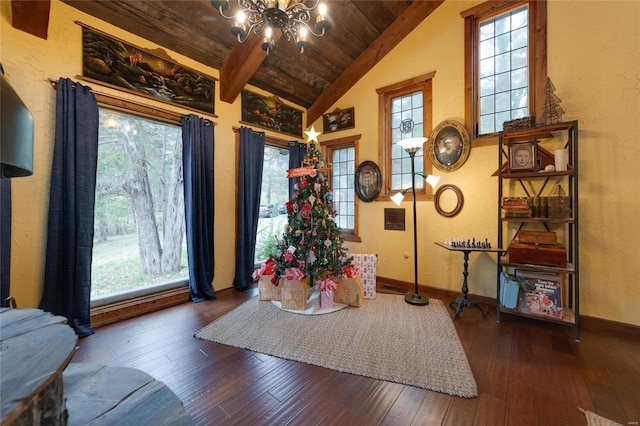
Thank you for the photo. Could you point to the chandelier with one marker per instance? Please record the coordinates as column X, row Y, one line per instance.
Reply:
column 292, row 17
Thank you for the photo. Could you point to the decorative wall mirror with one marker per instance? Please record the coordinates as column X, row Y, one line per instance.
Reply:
column 448, row 205
column 449, row 146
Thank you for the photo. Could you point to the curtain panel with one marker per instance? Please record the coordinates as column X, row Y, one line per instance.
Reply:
column 198, row 165
column 67, row 275
column 297, row 151
column 251, row 159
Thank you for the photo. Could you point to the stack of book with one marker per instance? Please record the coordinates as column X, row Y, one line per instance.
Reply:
column 514, row 207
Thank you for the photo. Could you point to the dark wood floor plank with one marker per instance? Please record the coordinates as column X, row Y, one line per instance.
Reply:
column 528, row 373
column 491, row 410
column 458, row 417
column 433, row 409
column 406, row 406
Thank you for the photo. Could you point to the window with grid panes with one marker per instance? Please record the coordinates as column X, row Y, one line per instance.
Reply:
column 506, row 66
column 404, row 112
column 503, row 69
column 342, row 187
column 406, row 122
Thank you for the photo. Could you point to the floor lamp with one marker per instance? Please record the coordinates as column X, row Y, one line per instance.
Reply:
column 412, row 146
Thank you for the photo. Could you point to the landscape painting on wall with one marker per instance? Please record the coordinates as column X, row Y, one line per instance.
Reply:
column 112, row 62
column 271, row 113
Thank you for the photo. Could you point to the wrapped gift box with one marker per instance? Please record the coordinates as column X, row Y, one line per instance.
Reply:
column 267, row 290
column 366, row 263
column 295, row 294
column 326, row 299
column 349, row 292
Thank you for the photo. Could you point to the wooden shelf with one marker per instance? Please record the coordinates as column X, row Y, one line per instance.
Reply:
column 570, row 269
column 568, row 316
column 529, row 175
column 537, row 220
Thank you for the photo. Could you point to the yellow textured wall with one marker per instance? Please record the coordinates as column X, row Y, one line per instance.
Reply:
column 28, row 62
column 594, row 63
column 593, row 60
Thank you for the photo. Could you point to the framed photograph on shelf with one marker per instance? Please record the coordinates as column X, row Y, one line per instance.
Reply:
column 339, row 119
column 449, row 145
column 522, row 157
column 368, row 181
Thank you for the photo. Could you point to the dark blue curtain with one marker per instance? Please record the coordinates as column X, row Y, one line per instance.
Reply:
column 67, row 274
column 5, row 240
column 249, row 189
column 297, row 151
column 197, row 157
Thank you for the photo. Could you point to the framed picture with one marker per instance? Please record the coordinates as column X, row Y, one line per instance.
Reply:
column 522, row 156
column 449, row 145
column 368, row 181
column 269, row 112
column 453, row 206
column 114, row 63
column 339, row 119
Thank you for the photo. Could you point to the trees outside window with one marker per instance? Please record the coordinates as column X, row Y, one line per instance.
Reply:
column 274, row 195
column 139, row 227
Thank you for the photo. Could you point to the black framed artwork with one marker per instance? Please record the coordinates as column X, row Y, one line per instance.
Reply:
column 449, row 146
column 368, row 181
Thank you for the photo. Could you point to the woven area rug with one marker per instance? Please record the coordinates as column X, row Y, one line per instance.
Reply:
column 385, row 339
column 595, row 420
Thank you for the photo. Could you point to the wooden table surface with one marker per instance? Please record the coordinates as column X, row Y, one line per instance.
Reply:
column 35, row 347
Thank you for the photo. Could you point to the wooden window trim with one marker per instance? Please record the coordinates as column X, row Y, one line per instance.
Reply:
column 537, row 59
column 422, row 82
column 327, row 148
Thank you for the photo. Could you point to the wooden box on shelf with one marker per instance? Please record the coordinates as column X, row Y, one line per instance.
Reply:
column 538, row 254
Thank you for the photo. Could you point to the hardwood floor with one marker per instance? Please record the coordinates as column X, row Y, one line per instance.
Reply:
column 528, row 373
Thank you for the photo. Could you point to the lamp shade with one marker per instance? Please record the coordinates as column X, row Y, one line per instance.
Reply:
column 397, row 198
column 432, row 180
column 412, row 143
column 16, row 134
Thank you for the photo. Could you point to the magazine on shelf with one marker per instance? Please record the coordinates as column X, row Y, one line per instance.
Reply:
column 542, row 293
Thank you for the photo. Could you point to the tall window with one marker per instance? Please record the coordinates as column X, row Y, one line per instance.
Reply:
column 405, row 112
column 503, row 69
column 139, row 228
column 506, row 64
column 343, row 155
column 274, row 195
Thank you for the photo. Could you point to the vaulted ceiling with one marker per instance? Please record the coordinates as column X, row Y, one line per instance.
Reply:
column 362, row 33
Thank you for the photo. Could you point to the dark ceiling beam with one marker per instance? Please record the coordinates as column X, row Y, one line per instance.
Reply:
column 401, row 27
column 31, row 16
column 243, row 61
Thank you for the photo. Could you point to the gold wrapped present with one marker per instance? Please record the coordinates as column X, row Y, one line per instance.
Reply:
column 267, row 290
column 295, row 294
column 349, row 292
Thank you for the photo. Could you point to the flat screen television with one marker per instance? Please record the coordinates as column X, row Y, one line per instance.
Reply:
column 16, row 133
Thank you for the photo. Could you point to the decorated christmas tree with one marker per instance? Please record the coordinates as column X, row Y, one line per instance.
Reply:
column 312, row 241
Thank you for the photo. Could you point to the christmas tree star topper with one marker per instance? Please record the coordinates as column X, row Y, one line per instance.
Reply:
column 312, row 135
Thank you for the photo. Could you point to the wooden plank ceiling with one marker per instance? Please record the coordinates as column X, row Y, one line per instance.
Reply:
column 362, row 33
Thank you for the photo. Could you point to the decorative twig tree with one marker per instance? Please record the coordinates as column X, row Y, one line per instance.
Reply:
column 312, row 240
column 551, row 110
